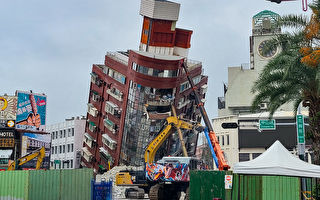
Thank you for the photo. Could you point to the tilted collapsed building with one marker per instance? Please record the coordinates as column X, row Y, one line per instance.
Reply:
column 131, row 94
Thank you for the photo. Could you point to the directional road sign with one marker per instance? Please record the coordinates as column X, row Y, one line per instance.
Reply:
column 267, row 124
column 300, row 129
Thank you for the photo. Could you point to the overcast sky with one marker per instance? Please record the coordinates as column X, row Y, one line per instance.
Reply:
column 49, row 46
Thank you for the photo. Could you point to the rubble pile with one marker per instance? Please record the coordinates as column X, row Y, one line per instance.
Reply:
column 118, row 192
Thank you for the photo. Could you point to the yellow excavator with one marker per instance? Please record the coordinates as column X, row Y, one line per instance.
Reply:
column 38, row 153
column 141, row 178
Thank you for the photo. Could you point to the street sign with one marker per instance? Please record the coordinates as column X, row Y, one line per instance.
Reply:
column 267, row 124
column 229, row 125
column 300, row 129
column 228, row 181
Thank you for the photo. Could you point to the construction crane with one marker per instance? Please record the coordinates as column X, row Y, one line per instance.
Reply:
column 211, row 136
column 38, row 153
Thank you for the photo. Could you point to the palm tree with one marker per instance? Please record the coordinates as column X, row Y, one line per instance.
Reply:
column 294, row 74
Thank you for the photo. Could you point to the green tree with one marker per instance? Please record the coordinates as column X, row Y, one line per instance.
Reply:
column 293, row 75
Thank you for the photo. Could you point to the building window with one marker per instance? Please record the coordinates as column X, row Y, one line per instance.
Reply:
column 56, row 149
column 186, row 85
column 60, row 149
column 114, row 92
column 71, row 147
column 244, row 157
column 71, row 163
column 255, row 155
column 117, row 76
column 68, row 147
column 52, row 150
column 154, row 72
column 110, row 125
column 56, row 134
column 60, row 134
column 222, row 136
column 72, row 131
column 218, row 137
column 69, row 132
column 64, row 148
column 52, row 135
column 109, row 142
column 92, row 110
column 228, row 139
column 64, row 133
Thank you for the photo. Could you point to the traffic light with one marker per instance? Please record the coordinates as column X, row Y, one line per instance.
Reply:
column 229, row 125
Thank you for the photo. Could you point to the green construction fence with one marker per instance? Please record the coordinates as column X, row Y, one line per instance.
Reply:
column 206, row 185
column 46, row 184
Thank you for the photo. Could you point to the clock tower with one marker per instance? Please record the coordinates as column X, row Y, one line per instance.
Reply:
column 263, row 29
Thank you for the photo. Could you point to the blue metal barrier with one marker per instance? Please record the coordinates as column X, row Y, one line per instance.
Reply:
column 101, row 191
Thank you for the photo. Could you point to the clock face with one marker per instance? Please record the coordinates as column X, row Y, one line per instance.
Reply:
column 264, row 53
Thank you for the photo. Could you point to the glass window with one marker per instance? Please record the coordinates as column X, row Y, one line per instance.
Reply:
column 64, row 148
column 254, row 155
column 56, row 149
column 222, row 136
column 228, row 140
column 71, row 163
column 69, row 132
column 52, row 150
column 71, row 147
column 56, row 134
column 72, row 131
column 60, row 149
column 244, row 157
column 68, row 148
column 60, row 134
column 64, row 133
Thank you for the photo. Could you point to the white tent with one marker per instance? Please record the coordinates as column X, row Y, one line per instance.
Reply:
column 277, row 160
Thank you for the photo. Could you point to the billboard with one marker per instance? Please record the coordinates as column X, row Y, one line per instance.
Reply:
column 6, row 139
column 8, row 110
column 31, row 111
column 31, row 142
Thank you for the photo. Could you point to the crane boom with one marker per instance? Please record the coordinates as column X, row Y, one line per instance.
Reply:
column 212, row 136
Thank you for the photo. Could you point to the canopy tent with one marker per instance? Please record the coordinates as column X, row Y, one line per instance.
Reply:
column 277, row 160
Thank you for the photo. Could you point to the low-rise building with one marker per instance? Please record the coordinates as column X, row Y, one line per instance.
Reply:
column 67, row 139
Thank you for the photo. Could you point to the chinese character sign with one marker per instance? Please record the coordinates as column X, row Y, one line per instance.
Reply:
column 31, row 111
column 8, row 107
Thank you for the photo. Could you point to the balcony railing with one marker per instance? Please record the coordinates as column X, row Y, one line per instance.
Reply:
column 118, row 57
column 192, row 64
column 119, row 98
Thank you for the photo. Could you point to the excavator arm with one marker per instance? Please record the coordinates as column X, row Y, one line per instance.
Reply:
column 155, row 144
column 39, row 153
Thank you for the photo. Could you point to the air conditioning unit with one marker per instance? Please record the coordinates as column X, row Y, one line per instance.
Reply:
column 263, row 106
